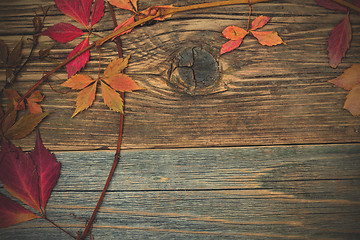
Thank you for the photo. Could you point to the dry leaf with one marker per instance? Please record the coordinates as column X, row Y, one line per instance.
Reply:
column 78, row 81
column 85, row 98
column 349, row 79
column 111, row 98
column 352, row 103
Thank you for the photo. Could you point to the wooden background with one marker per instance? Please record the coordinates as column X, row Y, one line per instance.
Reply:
column 273, row 156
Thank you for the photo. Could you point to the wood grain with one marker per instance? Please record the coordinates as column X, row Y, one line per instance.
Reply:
column 275, row 95
column 290, row 192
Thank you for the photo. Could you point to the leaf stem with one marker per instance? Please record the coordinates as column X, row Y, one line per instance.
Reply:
column 59, row 227
column 118, row 147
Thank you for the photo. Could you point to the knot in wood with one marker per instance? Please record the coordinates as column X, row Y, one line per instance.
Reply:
column 194, row 71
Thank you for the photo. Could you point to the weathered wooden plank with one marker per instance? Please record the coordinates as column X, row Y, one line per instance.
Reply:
column 278, row 192
column 275, row 95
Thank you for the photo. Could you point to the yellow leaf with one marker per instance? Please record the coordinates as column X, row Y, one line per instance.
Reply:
column 122, row 82
column 78, row 81
column 116, row 66
column 111, row 98
column 85, row 98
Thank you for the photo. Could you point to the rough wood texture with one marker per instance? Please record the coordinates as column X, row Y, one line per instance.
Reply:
column 275, row 95
column 290, row 192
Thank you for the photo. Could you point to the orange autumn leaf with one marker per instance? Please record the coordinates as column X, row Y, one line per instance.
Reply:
column 234, row 33
column 116, row 66
column 267, row 38
column 230, row 45
column 130, row 5
column 85, row 98
column 122, row 82
column 259, row 22
column 111, row 98
column 352, row 103
column 33, row 101
column 78, row 82
column 349, row 79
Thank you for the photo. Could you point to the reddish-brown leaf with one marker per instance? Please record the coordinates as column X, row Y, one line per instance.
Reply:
column 97, row 11
column 339, row 42
column 33, row 101
column 259, row 22
column 124, row 24
column 79, row 10
column 116, row 66
column 234, row 33
column 125, row 4
column 267, row 38
column 63, row 32
column 14, row 97
column 331, row 5
column 79, row 62
column 9, row 119
column 230, row 45
column 122, row 82
column 12, row 213
column 48, row 170
column 25, row 125
column 78, row 81
column 349, row 79
column 18, row 175
column 111, row 98
column 14, row 58
column 85, row 98
column 352, row 103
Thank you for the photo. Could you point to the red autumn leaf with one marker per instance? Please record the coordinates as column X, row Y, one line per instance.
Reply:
column 48, row 170
column 349, row 79
column 122, row 82
column 79, row 10
column 97, row 12
column 234, row 33
column 230, row 45
column 352, row 103
column 33, row 101
column 18, row 175
column 331, row 5
column 111, row 98
column 259, row 22
column 63, row 32
column 267, row 38
column 339, row 42
column 85, row 98
column 125, row 23
column 79, row 62
column 14, row 97
column 125, row 4
column 25, row 125
column 12, row 213
column 78, row 81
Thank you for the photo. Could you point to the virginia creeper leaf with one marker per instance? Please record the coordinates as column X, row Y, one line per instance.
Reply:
column 349, row 79
column 111, row 98
column 116, row 66
column 230, row 45
column 352, row 103
column 14, row 97
column 79, row 10
column 267, row 38
column 4, row 51
column 85, row 98
column 125, row 23
column 339, row 42
column 25, row 125
column 78, row 81
column 33, row 101
column 122, row 82
column 63, row 32
column 259, row 22
column 234, row 33
column 125, row 4
column 97, row 11
column 79, row 62
column 331, row 5
column 48, row 170
column 18, row 175
column 12, row 213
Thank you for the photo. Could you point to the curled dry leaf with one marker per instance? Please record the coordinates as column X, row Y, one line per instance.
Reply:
column 33, row 101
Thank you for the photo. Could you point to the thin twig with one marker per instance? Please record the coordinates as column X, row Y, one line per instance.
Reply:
column 348, row 5
column 59, row 227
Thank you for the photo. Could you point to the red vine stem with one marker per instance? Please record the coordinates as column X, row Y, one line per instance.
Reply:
column 118, row 147
column 59, row 227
